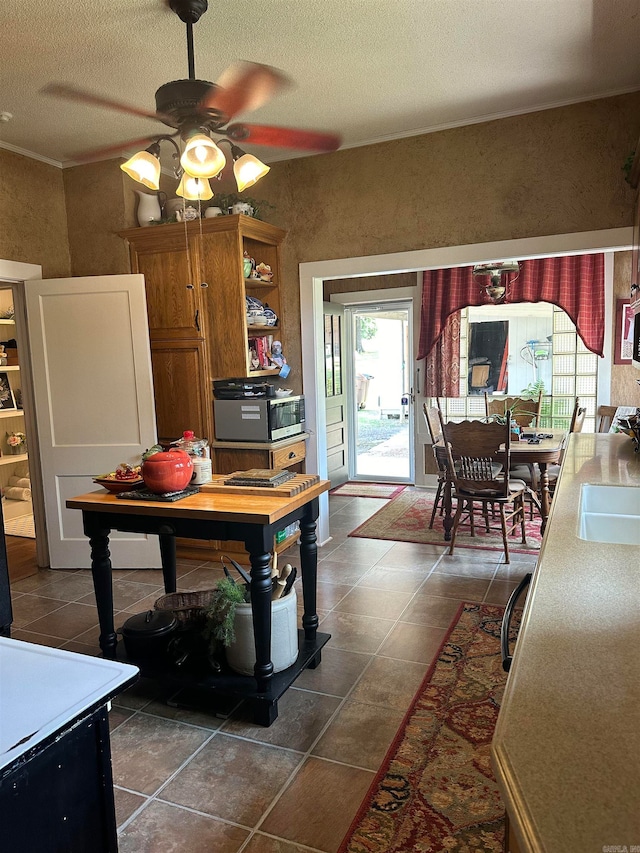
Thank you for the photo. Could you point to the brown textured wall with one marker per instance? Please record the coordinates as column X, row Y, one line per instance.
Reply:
column 95, row 213
column 33, row 225
column 625, row 390
column 373, row 282
column 551, row 172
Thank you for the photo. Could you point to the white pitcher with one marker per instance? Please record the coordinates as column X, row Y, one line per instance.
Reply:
column 148, row 208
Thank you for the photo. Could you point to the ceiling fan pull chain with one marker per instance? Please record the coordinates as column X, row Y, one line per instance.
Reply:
column 202, row 283
column 186, row 242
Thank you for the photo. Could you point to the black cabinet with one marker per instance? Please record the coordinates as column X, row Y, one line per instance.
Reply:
column 58, row 798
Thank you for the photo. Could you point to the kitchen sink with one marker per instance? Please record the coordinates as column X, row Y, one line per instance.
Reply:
column 609, row 514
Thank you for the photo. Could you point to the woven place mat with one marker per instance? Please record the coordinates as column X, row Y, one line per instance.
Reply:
column 146, row 495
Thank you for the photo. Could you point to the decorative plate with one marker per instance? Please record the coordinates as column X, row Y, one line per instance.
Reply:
column 116, row 486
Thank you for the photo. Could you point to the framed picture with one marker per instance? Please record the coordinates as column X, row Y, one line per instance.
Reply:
column 623, row 348
column 7, row 400
column 635, row 254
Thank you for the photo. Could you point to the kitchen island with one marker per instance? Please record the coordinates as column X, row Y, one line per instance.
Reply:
column 566, row 749
column 234, row 515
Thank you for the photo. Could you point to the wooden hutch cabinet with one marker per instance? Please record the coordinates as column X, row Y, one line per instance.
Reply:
column 198, row 328
column 196, row 289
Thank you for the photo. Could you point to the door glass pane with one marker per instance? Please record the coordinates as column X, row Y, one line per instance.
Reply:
column 328, row 357
column 337, row 355
column 382, row 373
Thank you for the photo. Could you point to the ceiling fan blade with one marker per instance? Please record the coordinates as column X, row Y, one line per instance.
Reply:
column 283, row 137
column 97, row 153
column 71, row 93
column 244, row 86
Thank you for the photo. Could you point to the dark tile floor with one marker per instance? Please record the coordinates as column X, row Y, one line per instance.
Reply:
column 188, row 781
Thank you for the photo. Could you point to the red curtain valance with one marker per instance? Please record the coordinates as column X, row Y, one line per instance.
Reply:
column 574, row 283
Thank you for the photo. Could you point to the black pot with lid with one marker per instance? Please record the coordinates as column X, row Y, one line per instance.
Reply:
column 147, row 635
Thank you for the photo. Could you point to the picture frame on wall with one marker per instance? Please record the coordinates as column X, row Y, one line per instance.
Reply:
column 623, row 347
column 635, row 255
column 7, row 400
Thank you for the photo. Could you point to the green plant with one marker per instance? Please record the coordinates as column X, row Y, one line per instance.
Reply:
column 534, row 388
column 221, row 612
column 518, row 409
column 226, row 200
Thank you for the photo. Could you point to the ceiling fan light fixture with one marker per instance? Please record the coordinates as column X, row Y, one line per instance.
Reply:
column 201, row 157
column 144, row 167
column 194, row 189
column 248, row 170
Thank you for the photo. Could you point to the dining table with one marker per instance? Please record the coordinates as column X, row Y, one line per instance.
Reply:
column 544, row 449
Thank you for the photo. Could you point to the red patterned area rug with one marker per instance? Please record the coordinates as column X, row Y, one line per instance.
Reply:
column 406, row 519
column 367, row 490
column 435, row 790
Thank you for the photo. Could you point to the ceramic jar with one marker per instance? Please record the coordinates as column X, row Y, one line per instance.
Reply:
column 148, row 208
column 170, row 471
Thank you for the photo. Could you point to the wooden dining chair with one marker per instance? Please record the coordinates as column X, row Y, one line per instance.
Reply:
column 525, row 411
column 478, row 456
column 577, row 422
column 440, row 455
column 605, row 417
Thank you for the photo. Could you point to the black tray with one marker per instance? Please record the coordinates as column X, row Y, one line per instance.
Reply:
column 146, row 495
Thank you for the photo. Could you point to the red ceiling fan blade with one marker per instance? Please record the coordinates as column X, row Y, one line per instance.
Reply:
column 96, row 153
column 283, row 137
column 244, row 86
column 71, row 93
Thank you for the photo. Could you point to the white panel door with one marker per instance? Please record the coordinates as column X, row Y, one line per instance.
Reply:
column 335, row 394
column 93, row 391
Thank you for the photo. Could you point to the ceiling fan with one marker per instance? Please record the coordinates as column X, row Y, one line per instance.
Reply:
column 195, row 109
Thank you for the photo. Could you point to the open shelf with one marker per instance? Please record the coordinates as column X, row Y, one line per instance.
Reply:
column 258, row 282
column 260, row 331
column 11, row 413
column 265, row 372
column 10, row 458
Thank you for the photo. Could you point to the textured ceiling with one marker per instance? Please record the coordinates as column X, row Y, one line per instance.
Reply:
column 368, row 69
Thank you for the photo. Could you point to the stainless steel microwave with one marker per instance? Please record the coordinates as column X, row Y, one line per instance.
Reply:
column 264, row 419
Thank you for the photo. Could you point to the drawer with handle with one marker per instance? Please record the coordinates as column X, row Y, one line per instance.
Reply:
column 286, row 456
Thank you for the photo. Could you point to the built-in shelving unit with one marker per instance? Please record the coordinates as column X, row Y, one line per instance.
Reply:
column 12, row 465
column 12, row 458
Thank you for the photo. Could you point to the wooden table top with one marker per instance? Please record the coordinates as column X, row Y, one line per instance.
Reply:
column 250, row 509
column 548, row 450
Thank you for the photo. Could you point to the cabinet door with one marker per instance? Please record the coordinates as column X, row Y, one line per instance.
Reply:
column 182, row 389
column 226, row 311
column 174, row 304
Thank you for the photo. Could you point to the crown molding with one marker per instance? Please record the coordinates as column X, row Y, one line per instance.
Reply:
column 24, row 153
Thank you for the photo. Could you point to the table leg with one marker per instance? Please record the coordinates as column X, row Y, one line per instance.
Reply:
column 309, row 572
column 447, row 521
column 261, row 612
column 101, row 572
column 167, row 539
column 544, row 496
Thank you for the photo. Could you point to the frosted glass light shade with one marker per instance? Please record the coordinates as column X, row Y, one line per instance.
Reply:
column 202, row 158
column 144, row 168
column 194, row 188
column 248, row 170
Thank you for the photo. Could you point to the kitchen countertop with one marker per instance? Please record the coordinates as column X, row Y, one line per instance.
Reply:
column 43, row 689
column 261, row 445
column 566, row 749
